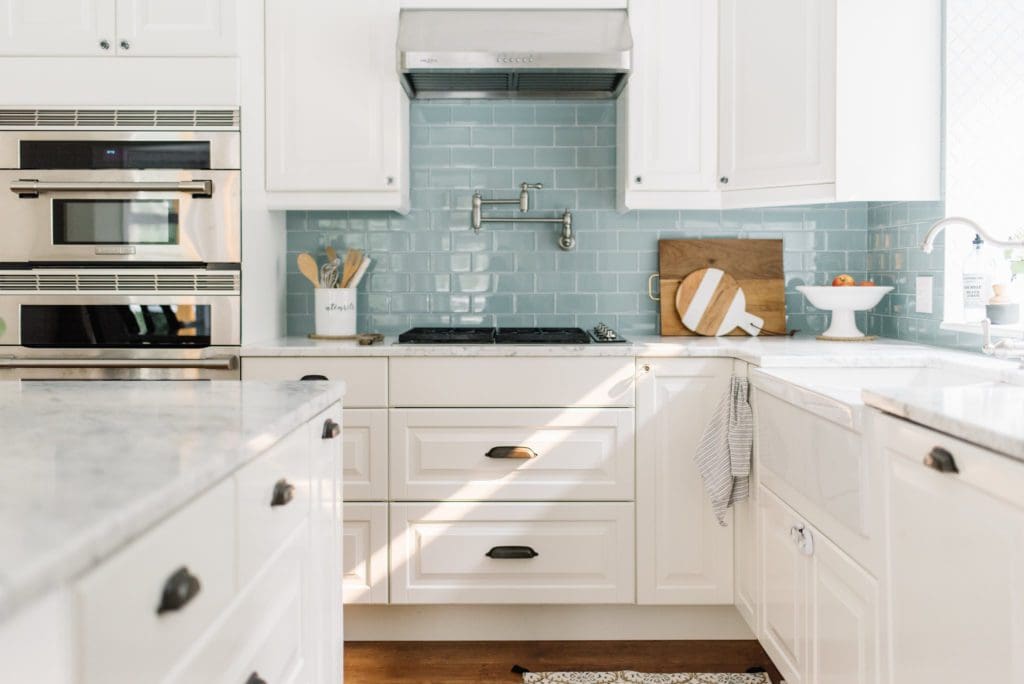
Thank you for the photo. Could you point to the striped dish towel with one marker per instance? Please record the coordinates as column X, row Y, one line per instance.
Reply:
column 723, row 455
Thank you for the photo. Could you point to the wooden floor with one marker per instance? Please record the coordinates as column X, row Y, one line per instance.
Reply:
column 458, row 662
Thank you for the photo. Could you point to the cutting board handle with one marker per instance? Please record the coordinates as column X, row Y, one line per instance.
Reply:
column 650, row 286
column 751, row 324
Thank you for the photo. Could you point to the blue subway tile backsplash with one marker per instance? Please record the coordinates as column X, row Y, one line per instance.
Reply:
column 431, row 269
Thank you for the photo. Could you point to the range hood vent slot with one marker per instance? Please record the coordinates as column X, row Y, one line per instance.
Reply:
column 140, row 119
column 504, row 54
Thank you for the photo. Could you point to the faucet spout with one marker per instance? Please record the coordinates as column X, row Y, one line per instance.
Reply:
column 929, row 240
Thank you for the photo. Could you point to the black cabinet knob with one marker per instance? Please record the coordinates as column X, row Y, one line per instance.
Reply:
column 331, row 429
column 283, row 493
column 180, row 588
column 511, row 552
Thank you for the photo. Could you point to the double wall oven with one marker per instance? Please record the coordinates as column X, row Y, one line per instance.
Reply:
column 121, row 244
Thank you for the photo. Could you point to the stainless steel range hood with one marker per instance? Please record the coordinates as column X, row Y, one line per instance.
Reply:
column 502, row 54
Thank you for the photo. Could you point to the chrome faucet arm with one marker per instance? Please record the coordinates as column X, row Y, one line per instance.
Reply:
column 929, row 240
column 1006, row 348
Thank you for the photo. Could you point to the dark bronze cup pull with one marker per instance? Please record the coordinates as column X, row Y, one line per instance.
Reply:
column 511, row 452
column 941, row 460
column 255, row 678
column 331, row 429
column 511, row 552
column 313, row 377
column 180, row 588
column 283, row 493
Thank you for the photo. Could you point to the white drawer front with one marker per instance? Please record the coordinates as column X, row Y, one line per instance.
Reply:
column 584, row 553
column 264, row 523
column 365, row 449
column 122, row 637
column 366, row 380
column 560, row 454
column 495, row 382
column 365, row 553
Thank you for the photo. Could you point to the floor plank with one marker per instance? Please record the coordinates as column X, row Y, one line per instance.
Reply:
column 461, row 662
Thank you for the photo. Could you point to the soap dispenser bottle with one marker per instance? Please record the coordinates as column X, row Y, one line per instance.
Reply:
column 976, row 282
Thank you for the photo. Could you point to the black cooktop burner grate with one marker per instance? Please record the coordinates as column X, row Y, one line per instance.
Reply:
column 494, row 336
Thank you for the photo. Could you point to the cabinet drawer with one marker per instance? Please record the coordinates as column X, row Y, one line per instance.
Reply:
column 365, row 553
column 527, row 382
column 273, row 500
column 122, row 636
column 366, row 380
column 263, row 633
column 555, row 454
column 365, row 450
column 584, row 553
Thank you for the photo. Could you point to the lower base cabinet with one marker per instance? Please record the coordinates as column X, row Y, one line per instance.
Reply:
column 819, row 609
column 365, row 553
column 512, row 553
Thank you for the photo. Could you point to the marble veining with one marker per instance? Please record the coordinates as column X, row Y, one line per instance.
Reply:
column 987, row 415
column 89, row 466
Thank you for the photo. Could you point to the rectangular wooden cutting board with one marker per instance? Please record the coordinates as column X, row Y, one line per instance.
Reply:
column 755, row 264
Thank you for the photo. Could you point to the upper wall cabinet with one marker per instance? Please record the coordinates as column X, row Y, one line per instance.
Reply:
column 778, row 103
column 337, row 118
column 147, row 28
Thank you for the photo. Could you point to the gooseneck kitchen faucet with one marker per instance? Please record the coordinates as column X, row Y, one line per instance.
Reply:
column 929, row 240
column 566, row 240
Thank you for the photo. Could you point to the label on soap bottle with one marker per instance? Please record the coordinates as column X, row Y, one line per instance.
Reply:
column 974, row 290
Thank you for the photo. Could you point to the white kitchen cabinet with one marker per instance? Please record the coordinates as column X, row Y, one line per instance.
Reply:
column 819, row 608
column 146, row 28
column 956, row 559
column 513, row 4
column 365, row 553
column 57, row 27
column 667, row 116
column 177, row 28
column 748, row 104
column 365, row 450
column 337, row 119
column 683, row 555
column 778, row 93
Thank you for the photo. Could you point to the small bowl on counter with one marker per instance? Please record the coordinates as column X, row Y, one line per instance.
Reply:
column 844, row 302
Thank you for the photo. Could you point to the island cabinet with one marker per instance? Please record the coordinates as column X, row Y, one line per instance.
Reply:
column 122, row 28
column 955, row 524
column 240, row 584
column 748, row 104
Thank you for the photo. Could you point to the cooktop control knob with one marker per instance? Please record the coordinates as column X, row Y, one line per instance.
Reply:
column 602, row 333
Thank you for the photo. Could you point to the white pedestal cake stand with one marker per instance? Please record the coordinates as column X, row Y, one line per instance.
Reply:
column 843, row 302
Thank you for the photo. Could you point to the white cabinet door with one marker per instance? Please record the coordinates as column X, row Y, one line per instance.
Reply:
column 172, row 28
column 667, row 115
column 778, row 91
column 844, row 618
column 365, row 544
column 956, row 558
column 783, row 630
column 337, row 118
column 683, row 555
column 365, row 451
column 57, row 27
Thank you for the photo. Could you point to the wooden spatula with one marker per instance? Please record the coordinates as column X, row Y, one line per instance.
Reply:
column 353, row 259
column 307, row 267
column 332, row 253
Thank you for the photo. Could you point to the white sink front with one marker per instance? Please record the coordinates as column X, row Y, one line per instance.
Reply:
column 861, row 378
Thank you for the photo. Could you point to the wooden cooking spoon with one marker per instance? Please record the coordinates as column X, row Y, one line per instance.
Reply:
column 307, row 267
column 332, row 253
column 353, row 259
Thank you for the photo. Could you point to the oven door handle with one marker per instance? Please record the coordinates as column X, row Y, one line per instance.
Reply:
column 215, row 363
column 33, row 188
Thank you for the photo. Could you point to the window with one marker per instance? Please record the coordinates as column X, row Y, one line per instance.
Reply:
column 984, row 141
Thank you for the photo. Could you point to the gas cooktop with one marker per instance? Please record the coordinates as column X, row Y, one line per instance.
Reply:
column 600, row 333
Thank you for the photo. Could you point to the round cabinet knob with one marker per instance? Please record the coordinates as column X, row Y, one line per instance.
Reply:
column 104, row 44
column 646, row 368
column 391, row 180
column 125, row 45
column 724, row 180
column 638, row 180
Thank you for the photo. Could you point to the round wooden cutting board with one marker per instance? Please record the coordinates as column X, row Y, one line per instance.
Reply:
column 710, row 302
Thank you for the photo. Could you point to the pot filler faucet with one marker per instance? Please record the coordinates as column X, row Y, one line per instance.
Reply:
column 567, row 240
column 1006, row 348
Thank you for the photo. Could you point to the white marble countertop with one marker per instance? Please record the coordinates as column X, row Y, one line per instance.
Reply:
column 89, row 466
column 989, row 415
column 771, row 351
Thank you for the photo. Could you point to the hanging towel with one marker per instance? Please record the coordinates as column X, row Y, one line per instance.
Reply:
column 723, row 455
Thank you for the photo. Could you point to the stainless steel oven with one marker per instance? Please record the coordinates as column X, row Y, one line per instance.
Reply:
column 117, row 196
column 170, row 324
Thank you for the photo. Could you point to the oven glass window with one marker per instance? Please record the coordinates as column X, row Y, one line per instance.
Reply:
column 115, row 154
column 115, row 325
column 115, row 222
